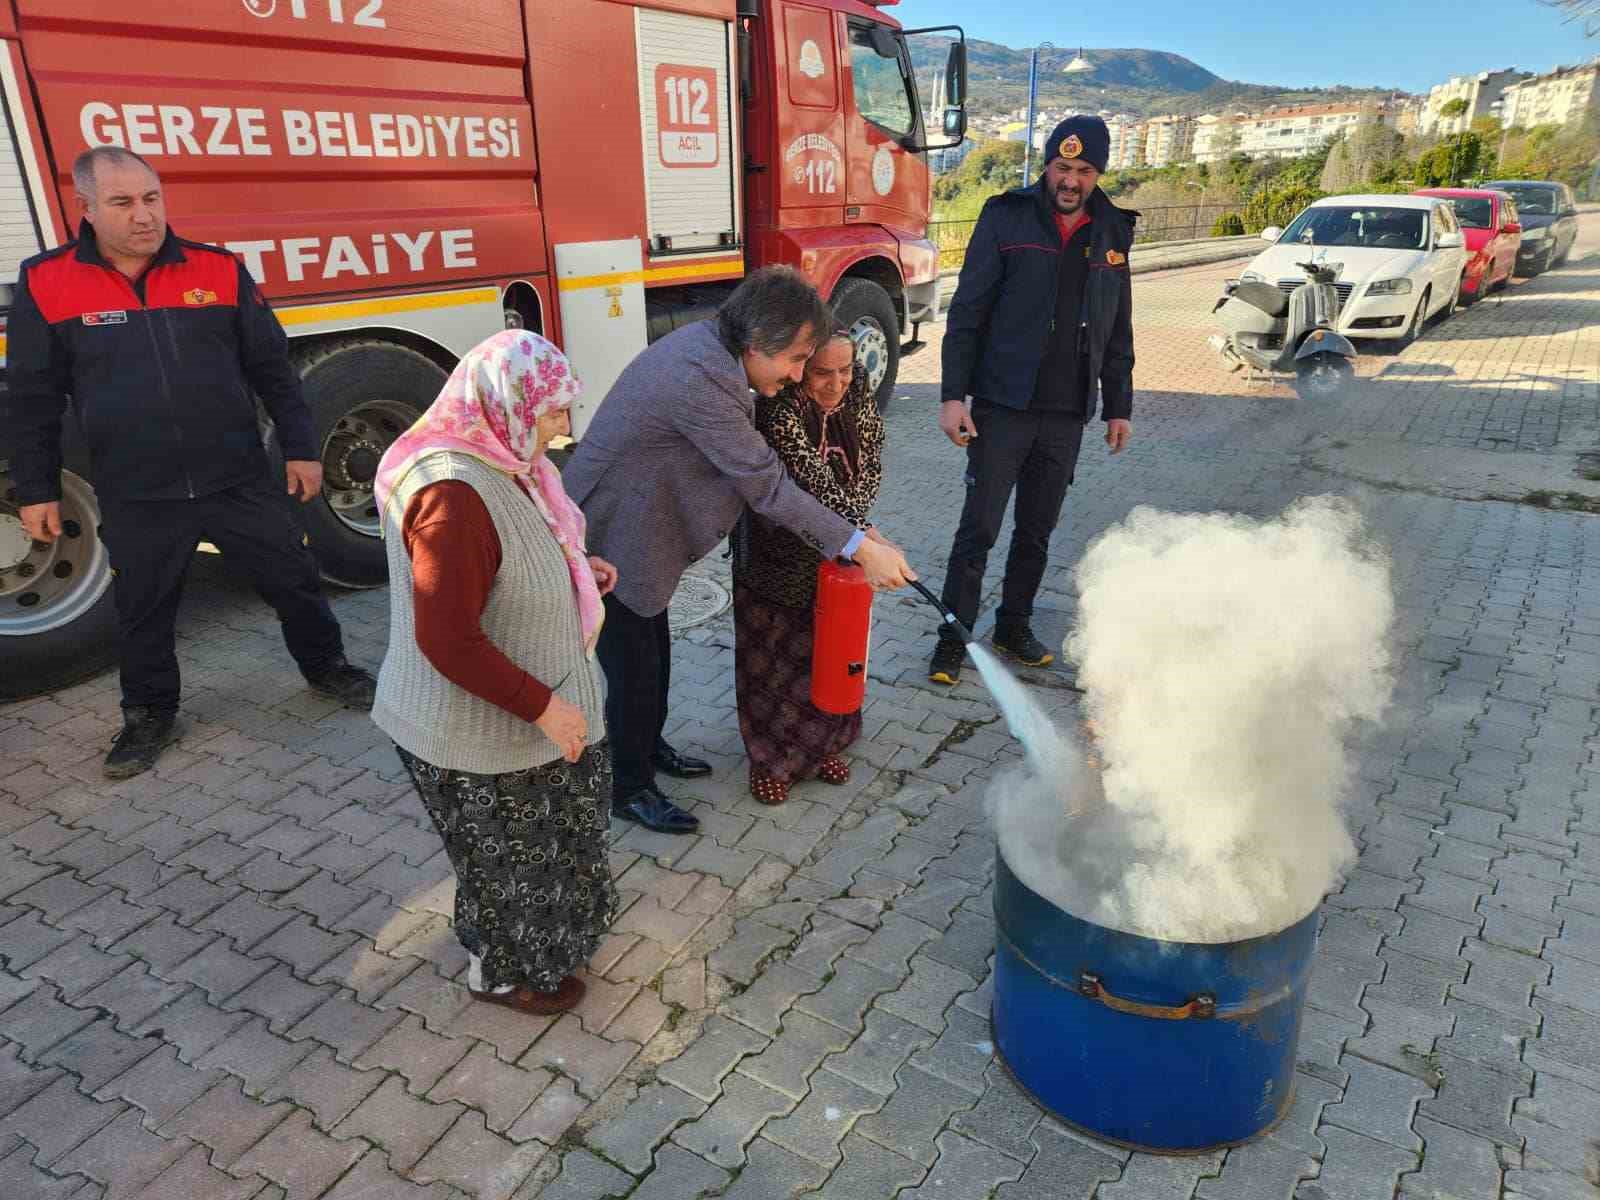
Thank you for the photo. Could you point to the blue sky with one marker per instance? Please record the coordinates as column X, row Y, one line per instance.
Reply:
column 1409, row 44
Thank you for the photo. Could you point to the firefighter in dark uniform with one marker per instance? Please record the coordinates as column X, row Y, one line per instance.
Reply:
column 1040, row 327
column 160, row 343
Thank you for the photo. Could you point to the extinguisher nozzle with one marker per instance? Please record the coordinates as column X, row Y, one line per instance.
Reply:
column 949, row 617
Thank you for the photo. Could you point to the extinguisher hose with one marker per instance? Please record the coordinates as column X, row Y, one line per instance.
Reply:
column 949, row 617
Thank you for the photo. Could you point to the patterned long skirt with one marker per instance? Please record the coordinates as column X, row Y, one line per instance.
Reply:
column 784, row 733
column 533, row 885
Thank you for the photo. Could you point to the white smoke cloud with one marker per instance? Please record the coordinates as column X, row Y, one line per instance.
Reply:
column 1225, row 662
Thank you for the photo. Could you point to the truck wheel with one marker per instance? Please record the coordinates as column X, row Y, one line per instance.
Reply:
column 363, row 395
column 58, row 621
column 867, row 312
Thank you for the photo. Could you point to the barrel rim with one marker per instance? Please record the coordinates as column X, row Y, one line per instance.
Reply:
column 1000, row 861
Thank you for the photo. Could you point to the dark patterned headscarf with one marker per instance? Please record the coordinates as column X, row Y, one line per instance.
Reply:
column 835, row 435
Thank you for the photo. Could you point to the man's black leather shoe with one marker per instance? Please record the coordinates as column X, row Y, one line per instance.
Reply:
column 679, row 766
column 650, row 808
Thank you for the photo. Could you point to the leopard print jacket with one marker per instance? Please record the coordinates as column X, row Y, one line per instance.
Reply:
column 769, row 560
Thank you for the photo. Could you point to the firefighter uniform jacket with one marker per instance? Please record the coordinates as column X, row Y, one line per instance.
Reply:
column 160, row 371
column 1002, row 317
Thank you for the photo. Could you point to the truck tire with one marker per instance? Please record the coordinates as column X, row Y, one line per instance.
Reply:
column 363, row 394
column 867, row 312
column 58, row 620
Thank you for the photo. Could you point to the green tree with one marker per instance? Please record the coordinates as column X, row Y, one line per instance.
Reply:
column 1306, row 171
column 1340, row 173
column 1450, row 162
column 1225, row 145
column 1564, row 153
column 1277, row 205
column 992, row 167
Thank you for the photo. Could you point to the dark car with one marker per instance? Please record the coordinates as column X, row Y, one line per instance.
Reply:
column 1549, row 213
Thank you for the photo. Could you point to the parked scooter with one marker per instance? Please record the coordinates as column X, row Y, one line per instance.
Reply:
column 1269, row 332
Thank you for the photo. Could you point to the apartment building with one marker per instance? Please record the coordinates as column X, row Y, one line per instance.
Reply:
column 1482, row 92
column 1295, row 131
column 1216, row 137
column 1168, row 140
column 1127, row 143
column 1565, row 94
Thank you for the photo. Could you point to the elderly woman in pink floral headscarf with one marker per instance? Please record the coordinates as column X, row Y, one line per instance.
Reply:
column 489, row 688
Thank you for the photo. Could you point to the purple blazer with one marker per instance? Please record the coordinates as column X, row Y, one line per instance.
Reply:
column 671, row 459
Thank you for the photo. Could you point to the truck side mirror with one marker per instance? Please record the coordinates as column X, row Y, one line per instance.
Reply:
column 955, row 123
column 955, row 81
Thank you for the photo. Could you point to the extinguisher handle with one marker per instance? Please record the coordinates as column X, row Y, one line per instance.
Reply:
column 950, row 618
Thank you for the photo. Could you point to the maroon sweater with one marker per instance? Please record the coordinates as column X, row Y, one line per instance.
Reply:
column 455, row 556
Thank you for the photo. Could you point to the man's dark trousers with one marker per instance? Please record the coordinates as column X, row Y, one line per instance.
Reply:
column 1035, row 452
column 636, row 654
column 152, row 543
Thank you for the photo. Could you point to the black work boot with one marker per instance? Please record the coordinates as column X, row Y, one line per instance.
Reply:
column 1015, row 640
column 146, row 732
column 339, row 680
column 948, row 657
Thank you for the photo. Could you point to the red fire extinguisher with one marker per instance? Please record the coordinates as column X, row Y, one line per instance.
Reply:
column 840, row 638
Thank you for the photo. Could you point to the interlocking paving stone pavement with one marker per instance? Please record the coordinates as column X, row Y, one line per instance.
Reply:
column 242, row 962
column 630, row 1138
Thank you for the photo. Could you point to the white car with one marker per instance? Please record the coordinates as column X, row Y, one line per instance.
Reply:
column 1400, row 260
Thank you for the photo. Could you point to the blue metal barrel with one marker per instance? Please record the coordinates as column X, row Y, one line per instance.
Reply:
column 1174, row 1047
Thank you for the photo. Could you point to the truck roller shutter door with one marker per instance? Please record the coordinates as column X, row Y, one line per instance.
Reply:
column 685, row 97
column 19, row 224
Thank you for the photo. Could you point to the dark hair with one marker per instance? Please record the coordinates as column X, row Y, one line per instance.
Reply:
column 83, row 167
column 771, row 308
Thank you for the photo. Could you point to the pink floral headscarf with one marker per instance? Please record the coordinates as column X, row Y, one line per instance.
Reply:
column 488, row 410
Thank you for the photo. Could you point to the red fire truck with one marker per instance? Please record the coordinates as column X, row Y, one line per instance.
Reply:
column 404, row 177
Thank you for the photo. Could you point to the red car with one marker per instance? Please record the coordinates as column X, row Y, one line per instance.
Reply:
column 1493, row 233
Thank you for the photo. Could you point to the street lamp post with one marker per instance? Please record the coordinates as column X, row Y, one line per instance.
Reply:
column 1033, row 96
column 1077, row 66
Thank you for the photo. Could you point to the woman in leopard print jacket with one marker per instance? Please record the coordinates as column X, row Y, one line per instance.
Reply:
column 829, row 433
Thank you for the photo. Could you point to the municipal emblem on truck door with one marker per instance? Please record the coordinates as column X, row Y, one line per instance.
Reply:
column 260, row 8
column 811, row 65
column 883, row 171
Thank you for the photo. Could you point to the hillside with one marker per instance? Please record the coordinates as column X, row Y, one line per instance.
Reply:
column 1136, row 82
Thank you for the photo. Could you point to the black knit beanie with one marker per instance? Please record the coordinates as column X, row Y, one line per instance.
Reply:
column 1082, row 137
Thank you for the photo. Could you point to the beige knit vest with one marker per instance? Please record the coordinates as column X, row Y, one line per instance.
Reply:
column 532, row 616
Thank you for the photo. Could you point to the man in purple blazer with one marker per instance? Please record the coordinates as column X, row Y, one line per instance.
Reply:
column 669, row 462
